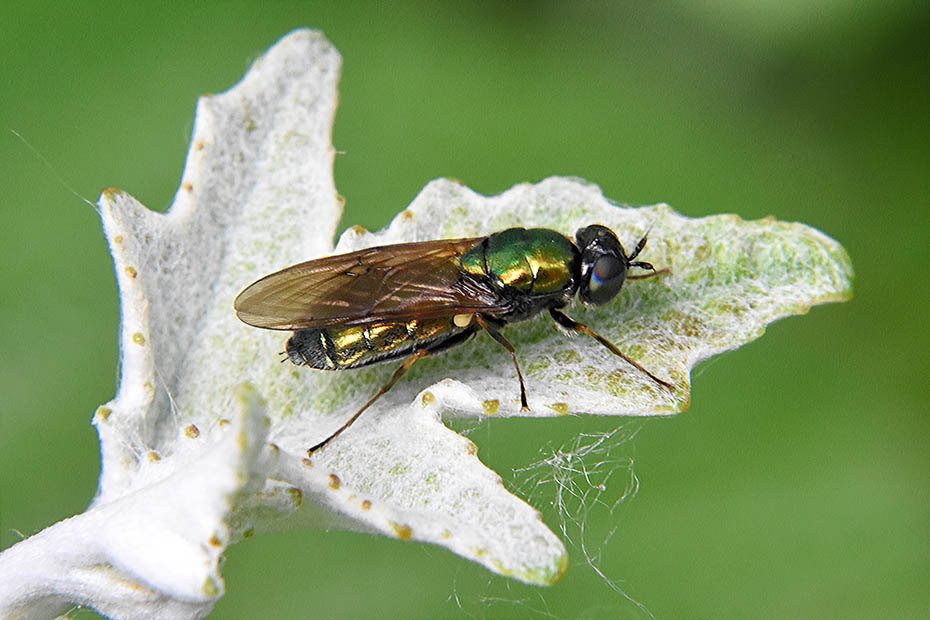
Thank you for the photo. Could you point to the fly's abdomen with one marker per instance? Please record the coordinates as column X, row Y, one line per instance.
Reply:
column 337, row 348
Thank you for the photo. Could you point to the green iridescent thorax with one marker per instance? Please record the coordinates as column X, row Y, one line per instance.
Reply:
column 535, row 260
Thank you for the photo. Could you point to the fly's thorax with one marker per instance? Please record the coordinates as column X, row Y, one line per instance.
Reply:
column 535, row 261
column 337, row 348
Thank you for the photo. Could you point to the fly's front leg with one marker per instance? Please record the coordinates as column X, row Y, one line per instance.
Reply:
column 581, row 328
column 651, row 274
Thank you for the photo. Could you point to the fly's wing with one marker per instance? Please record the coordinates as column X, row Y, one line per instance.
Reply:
column 390, row 283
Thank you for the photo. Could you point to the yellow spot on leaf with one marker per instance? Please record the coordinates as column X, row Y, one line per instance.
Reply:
column 209, row 587
column 403, row 531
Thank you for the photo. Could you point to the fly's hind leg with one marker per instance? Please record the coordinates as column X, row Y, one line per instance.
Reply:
column 581, row 328
column 499, row 337
column 400, row 372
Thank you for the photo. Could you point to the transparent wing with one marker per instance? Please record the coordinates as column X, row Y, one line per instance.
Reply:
column 394, row 282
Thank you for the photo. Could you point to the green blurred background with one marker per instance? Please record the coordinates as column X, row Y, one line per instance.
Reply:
column 796, row 487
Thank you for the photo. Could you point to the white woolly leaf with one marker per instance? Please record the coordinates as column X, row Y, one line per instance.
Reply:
column 206, row 439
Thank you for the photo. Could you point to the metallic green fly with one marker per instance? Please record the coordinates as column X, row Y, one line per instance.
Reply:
column 415, row 299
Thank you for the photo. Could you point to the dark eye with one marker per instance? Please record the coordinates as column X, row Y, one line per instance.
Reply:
column 607, row 277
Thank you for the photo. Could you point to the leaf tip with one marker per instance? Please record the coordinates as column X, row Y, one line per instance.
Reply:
column 547, row 575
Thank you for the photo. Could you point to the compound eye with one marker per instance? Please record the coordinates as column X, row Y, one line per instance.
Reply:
column 607, row 277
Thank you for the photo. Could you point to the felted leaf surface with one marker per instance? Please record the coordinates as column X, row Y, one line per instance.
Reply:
column 257, row 195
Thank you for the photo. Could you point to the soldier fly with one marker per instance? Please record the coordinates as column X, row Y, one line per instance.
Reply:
column 415, row 299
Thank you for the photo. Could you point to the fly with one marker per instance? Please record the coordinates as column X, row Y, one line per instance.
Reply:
column 412, row 300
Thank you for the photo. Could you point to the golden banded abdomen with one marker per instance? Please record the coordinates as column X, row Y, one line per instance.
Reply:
column 336, row 348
